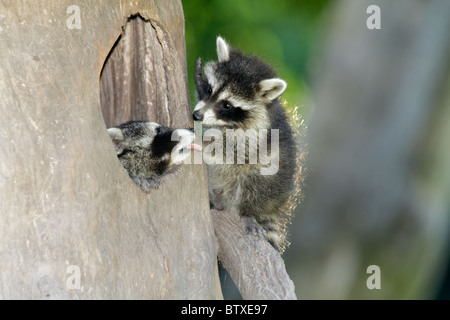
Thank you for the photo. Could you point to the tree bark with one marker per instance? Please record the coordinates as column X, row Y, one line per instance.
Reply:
column 67, row 205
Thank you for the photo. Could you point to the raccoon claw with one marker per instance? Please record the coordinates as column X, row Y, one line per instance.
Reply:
column 217, row 207
column 146, row 184
column 215, row 200
column 252, row 227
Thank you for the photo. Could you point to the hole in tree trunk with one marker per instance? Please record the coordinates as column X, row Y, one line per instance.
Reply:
column 133, row 83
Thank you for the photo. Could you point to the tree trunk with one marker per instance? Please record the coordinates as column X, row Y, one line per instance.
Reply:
column 72, row 223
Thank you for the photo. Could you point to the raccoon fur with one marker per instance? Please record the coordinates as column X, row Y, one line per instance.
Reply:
column 242, row 92
column 151, row 153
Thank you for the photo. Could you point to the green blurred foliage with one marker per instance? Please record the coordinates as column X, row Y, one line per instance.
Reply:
column 282, row 32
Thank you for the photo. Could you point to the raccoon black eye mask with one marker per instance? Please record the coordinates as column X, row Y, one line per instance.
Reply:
column 151, row 153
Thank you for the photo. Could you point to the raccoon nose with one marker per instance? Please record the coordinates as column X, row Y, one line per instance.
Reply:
column 191, row 129
column 197, row 116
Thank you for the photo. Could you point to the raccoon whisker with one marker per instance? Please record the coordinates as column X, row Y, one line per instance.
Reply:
column 245, row 95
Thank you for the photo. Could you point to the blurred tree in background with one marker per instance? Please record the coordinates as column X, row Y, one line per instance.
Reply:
column 283, row 33
column 378, row 187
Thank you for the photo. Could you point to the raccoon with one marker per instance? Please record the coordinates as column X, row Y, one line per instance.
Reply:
column 242, row 92
column 151, row 153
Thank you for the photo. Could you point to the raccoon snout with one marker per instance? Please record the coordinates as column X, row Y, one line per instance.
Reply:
column 197, row 116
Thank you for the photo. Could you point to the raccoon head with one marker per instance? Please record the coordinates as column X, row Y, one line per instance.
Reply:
column 149, row 150
column 235, row 91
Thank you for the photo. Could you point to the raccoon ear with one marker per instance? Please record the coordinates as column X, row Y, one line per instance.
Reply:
column 117, row 138
column 272, row 88
column 223, row 51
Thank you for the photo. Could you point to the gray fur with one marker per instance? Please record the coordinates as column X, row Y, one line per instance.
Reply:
column 242, row 92
column 150, row 153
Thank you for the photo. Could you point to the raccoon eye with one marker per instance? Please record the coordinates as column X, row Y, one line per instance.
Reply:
column 226, row 105
column 209, row 90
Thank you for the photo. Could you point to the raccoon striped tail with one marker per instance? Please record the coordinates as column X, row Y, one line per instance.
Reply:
column 273, row 234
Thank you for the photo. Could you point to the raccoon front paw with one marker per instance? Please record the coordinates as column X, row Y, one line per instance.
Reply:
column 146, row 184
column 252, row 227
column 217, row 205
column 215, row 199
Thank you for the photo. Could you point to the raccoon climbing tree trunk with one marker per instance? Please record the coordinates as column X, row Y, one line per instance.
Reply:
column 72, row 223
